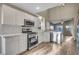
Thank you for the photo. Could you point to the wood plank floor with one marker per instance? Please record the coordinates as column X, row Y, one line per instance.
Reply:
column 66, row 48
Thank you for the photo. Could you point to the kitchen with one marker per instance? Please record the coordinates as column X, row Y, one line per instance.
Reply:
column 22, row 31
column 12, row 23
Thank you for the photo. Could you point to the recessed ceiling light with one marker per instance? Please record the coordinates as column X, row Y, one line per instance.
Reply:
column 37, row 8
column 63, row 4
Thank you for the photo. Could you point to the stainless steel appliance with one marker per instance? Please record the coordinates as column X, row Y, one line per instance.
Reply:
column 28, row 23
column 32, row 40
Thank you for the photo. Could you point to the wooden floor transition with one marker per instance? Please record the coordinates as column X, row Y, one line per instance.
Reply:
column 66, row 48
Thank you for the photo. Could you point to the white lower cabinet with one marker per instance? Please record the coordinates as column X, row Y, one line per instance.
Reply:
column 40, row 38
column 22, row 43
column 37, row 23
column 46, row 36
column 16, row 44
column 43, row 37
column 11, row 45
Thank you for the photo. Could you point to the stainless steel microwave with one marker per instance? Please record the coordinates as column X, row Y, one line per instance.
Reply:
column 28, row 22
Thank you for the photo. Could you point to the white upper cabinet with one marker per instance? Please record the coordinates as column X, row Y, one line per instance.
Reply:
column 33, row 18
column 8, row 15
column 27, row 16
column 14, row 16
column 43, row 26
column 19, row 17
column 36, row 21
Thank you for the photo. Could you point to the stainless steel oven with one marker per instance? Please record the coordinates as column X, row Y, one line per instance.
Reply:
column 32, row 40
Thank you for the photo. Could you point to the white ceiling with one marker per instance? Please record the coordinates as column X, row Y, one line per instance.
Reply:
column 31, row 7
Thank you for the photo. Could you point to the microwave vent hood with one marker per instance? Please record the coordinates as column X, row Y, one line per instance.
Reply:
column 28, row 23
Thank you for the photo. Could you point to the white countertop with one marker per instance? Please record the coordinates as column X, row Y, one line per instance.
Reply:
column 6, row 35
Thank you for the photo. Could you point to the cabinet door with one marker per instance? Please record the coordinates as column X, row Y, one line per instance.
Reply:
column 22, row 43
column 43, row 26
column 19, row 17
column 35, row 20
column 40, row 38
column 8, row 15
column 21, row 21
column 16, row 44
column 32, row 18
column 26, row 16
column 46, row 36
column 37, row 23
column 12, row 45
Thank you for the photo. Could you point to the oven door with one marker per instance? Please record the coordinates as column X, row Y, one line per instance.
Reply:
column 32, row 41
